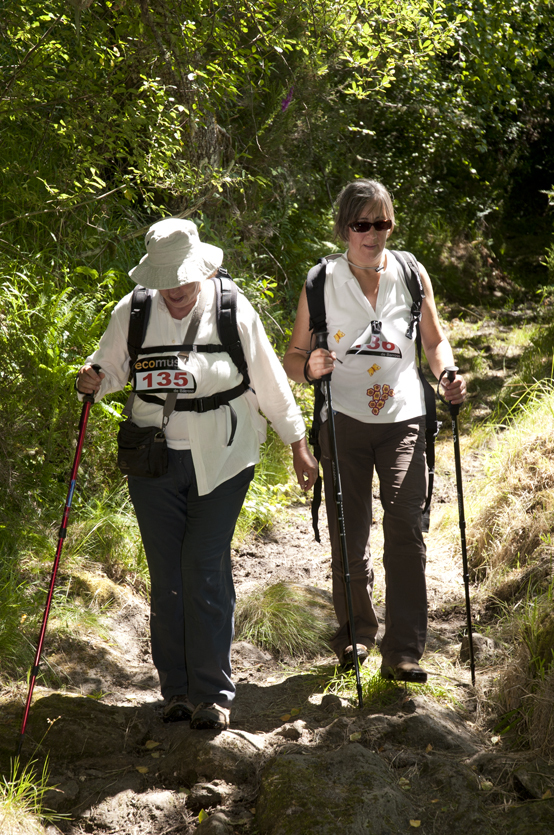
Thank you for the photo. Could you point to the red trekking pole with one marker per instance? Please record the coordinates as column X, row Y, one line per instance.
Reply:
column 87, row 403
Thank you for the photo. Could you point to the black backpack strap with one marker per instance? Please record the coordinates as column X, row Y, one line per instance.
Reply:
column 141, row 302
column 315, row 295
column 410, row 271
column 227, row 329
column 315, row 286
column 226, row 292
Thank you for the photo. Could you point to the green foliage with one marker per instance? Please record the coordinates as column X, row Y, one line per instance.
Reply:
column 251, row 119
column 285, row 619
column 535, row 369
column 379, row 693
column 106, row 534
column 222, row 109
column 270, row 492
column 45, row 331
column 15, row 608
column 22, row 800
column 523, row 695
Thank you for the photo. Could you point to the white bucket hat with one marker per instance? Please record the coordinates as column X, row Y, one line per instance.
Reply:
column 175, row 255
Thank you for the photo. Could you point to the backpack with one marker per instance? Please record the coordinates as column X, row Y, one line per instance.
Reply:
column 226, row 319
column 315, row 285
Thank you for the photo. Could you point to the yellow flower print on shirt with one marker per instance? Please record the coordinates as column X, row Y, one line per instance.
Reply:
column 378, row 396
column 338, row 336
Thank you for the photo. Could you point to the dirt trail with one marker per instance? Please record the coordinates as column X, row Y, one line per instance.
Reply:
column 115, row 767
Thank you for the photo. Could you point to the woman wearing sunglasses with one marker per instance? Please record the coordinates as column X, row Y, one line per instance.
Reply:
column 379, row 424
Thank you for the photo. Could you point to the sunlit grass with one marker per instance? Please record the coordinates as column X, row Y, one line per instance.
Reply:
column 103, row 549
column 512, row 504
column 443, row 684
column 285, row 619
column 106, row 534
column 73, row 617
column 272, row 490
column 523, row 698
column 22, row 801
column 511, row 518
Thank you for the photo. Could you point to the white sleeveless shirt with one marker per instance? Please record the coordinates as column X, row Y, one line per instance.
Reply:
column 376, row 380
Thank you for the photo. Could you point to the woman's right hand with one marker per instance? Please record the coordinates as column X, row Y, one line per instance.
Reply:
column 88, row 380
column 320, row 363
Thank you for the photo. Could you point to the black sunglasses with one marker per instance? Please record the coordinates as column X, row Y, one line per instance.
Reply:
column 365, row 225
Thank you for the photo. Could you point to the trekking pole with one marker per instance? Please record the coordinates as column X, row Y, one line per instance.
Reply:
column 88, row 401
column 454, row 408
column 321, row 342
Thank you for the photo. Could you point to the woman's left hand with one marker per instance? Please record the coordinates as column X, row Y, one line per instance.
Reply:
column 305, row 465
column 454, row 390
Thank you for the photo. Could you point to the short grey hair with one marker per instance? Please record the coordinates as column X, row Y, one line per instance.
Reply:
column 354, row 198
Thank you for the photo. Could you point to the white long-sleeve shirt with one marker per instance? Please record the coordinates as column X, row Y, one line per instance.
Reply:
column 207, row 434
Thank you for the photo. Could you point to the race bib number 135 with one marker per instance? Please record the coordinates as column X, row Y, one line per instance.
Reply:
column 163, row 374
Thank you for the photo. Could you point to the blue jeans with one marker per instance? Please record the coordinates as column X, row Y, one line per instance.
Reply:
column 187, row 540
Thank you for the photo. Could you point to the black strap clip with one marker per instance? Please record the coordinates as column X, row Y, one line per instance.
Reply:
column 415, row 318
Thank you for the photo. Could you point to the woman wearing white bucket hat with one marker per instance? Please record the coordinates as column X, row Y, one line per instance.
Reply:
column 175, row 256
column 187, row 514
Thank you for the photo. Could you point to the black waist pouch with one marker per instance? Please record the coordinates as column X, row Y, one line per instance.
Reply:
column 142, row 450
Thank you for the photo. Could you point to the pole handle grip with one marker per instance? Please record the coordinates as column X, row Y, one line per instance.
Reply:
column 89, row 398
column 451, row 371
column 321, row 342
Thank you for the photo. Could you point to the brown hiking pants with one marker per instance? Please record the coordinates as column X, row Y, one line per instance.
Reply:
column 397, row 452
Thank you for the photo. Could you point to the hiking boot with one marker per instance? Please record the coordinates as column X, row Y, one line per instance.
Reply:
column 409, row 671
column 346, row 658
column 210, row 717
column 178, row 709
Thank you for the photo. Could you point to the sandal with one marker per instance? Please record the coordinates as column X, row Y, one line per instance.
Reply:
column 210, row 717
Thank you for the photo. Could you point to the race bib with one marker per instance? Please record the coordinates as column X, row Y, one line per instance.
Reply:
column 165, row 373
column 374, row 342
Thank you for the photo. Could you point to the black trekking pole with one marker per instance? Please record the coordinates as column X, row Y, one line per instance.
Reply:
column 451, row 372
column 321, row 342
column 87, row 403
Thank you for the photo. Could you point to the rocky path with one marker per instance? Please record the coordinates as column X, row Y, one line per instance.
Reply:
column 300, row 758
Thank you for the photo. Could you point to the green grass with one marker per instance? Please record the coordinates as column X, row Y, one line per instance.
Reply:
column 522, row 699
column 379, row 693
column 284, row 619
column 22, row 801
column 272, row 490
column 103, row 547
column 510, row 511
column 106, row 535
column 511, row 507
column 18, row 617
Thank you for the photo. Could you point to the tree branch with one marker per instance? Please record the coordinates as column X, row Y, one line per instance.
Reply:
column 18, row 69
column 63, row 208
